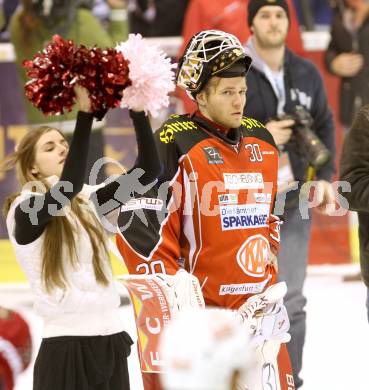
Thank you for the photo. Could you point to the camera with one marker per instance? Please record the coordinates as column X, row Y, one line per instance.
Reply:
column 309, row 143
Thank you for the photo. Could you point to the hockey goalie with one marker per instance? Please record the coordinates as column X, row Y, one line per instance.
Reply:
column 209, row 214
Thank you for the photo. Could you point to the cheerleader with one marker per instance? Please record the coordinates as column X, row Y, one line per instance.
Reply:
column 62, row 248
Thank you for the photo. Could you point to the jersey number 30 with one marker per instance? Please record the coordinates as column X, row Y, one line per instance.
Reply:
column 255, row 153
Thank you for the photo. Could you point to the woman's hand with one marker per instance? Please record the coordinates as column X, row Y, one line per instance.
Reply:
column 82, row 98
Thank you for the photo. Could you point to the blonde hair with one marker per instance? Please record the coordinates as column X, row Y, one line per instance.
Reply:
column 59, row 232
column 211, row 86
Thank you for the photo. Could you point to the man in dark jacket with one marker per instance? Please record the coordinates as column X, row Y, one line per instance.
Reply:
column 354, row 167
column 347, row 56
column 278, row 83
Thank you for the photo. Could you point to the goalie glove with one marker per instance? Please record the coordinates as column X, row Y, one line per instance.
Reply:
column 267, row 322
column 265, row 315
column 182, row 290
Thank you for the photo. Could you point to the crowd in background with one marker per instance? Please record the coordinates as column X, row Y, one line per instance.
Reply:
column 155, row 18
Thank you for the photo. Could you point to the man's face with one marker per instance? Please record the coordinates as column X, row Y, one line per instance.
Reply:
column 223, row 100
column 270, row 26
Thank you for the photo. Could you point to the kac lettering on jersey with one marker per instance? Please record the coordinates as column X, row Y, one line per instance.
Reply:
column 243, row 181
column 245, row 216
column 253, row 256
column 143, row 203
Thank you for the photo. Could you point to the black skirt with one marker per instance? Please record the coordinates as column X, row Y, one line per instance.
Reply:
column 83, row 363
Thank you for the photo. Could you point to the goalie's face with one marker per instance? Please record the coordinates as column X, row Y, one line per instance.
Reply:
column 222, row 100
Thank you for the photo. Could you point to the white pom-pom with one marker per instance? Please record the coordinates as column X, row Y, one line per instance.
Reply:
column 151, row 74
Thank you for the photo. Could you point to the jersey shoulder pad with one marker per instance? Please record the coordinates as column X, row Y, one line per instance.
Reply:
column 253, row 128
column 174, row 126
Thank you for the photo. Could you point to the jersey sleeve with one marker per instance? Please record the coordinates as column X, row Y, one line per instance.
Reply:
column 148, row 237
column 115, row 193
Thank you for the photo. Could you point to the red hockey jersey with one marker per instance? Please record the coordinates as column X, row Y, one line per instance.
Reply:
column 210, row 212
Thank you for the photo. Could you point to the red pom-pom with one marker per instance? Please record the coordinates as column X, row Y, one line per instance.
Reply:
column 105, row 74
column 55, row 70
column 52, row 74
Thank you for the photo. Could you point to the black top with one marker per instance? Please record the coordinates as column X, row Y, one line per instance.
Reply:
column 354, row 91
column 354, row 181
column 28, row 229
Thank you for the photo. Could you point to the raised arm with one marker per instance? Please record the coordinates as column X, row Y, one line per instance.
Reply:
column 147, row 160
column 27, row 230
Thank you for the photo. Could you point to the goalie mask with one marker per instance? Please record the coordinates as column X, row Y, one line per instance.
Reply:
column 211, row 53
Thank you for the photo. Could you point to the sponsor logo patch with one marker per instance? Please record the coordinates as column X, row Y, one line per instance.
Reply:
column 242, row 289
column 167, row 134
column 244, row 216
column 228, row 199
column 143, row 203
column 263, row 198
column 251, row 123
column 253, row 256
column 243, row 181
column 213, row 155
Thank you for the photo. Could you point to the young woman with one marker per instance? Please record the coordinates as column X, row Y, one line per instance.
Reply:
column 62, row 248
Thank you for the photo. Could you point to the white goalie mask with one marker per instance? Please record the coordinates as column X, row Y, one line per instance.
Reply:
column 210, row 53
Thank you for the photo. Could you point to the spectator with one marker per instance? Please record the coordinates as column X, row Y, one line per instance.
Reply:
column 354, row 170
column 279, row 81
column 33, row 25
column 347, row 56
